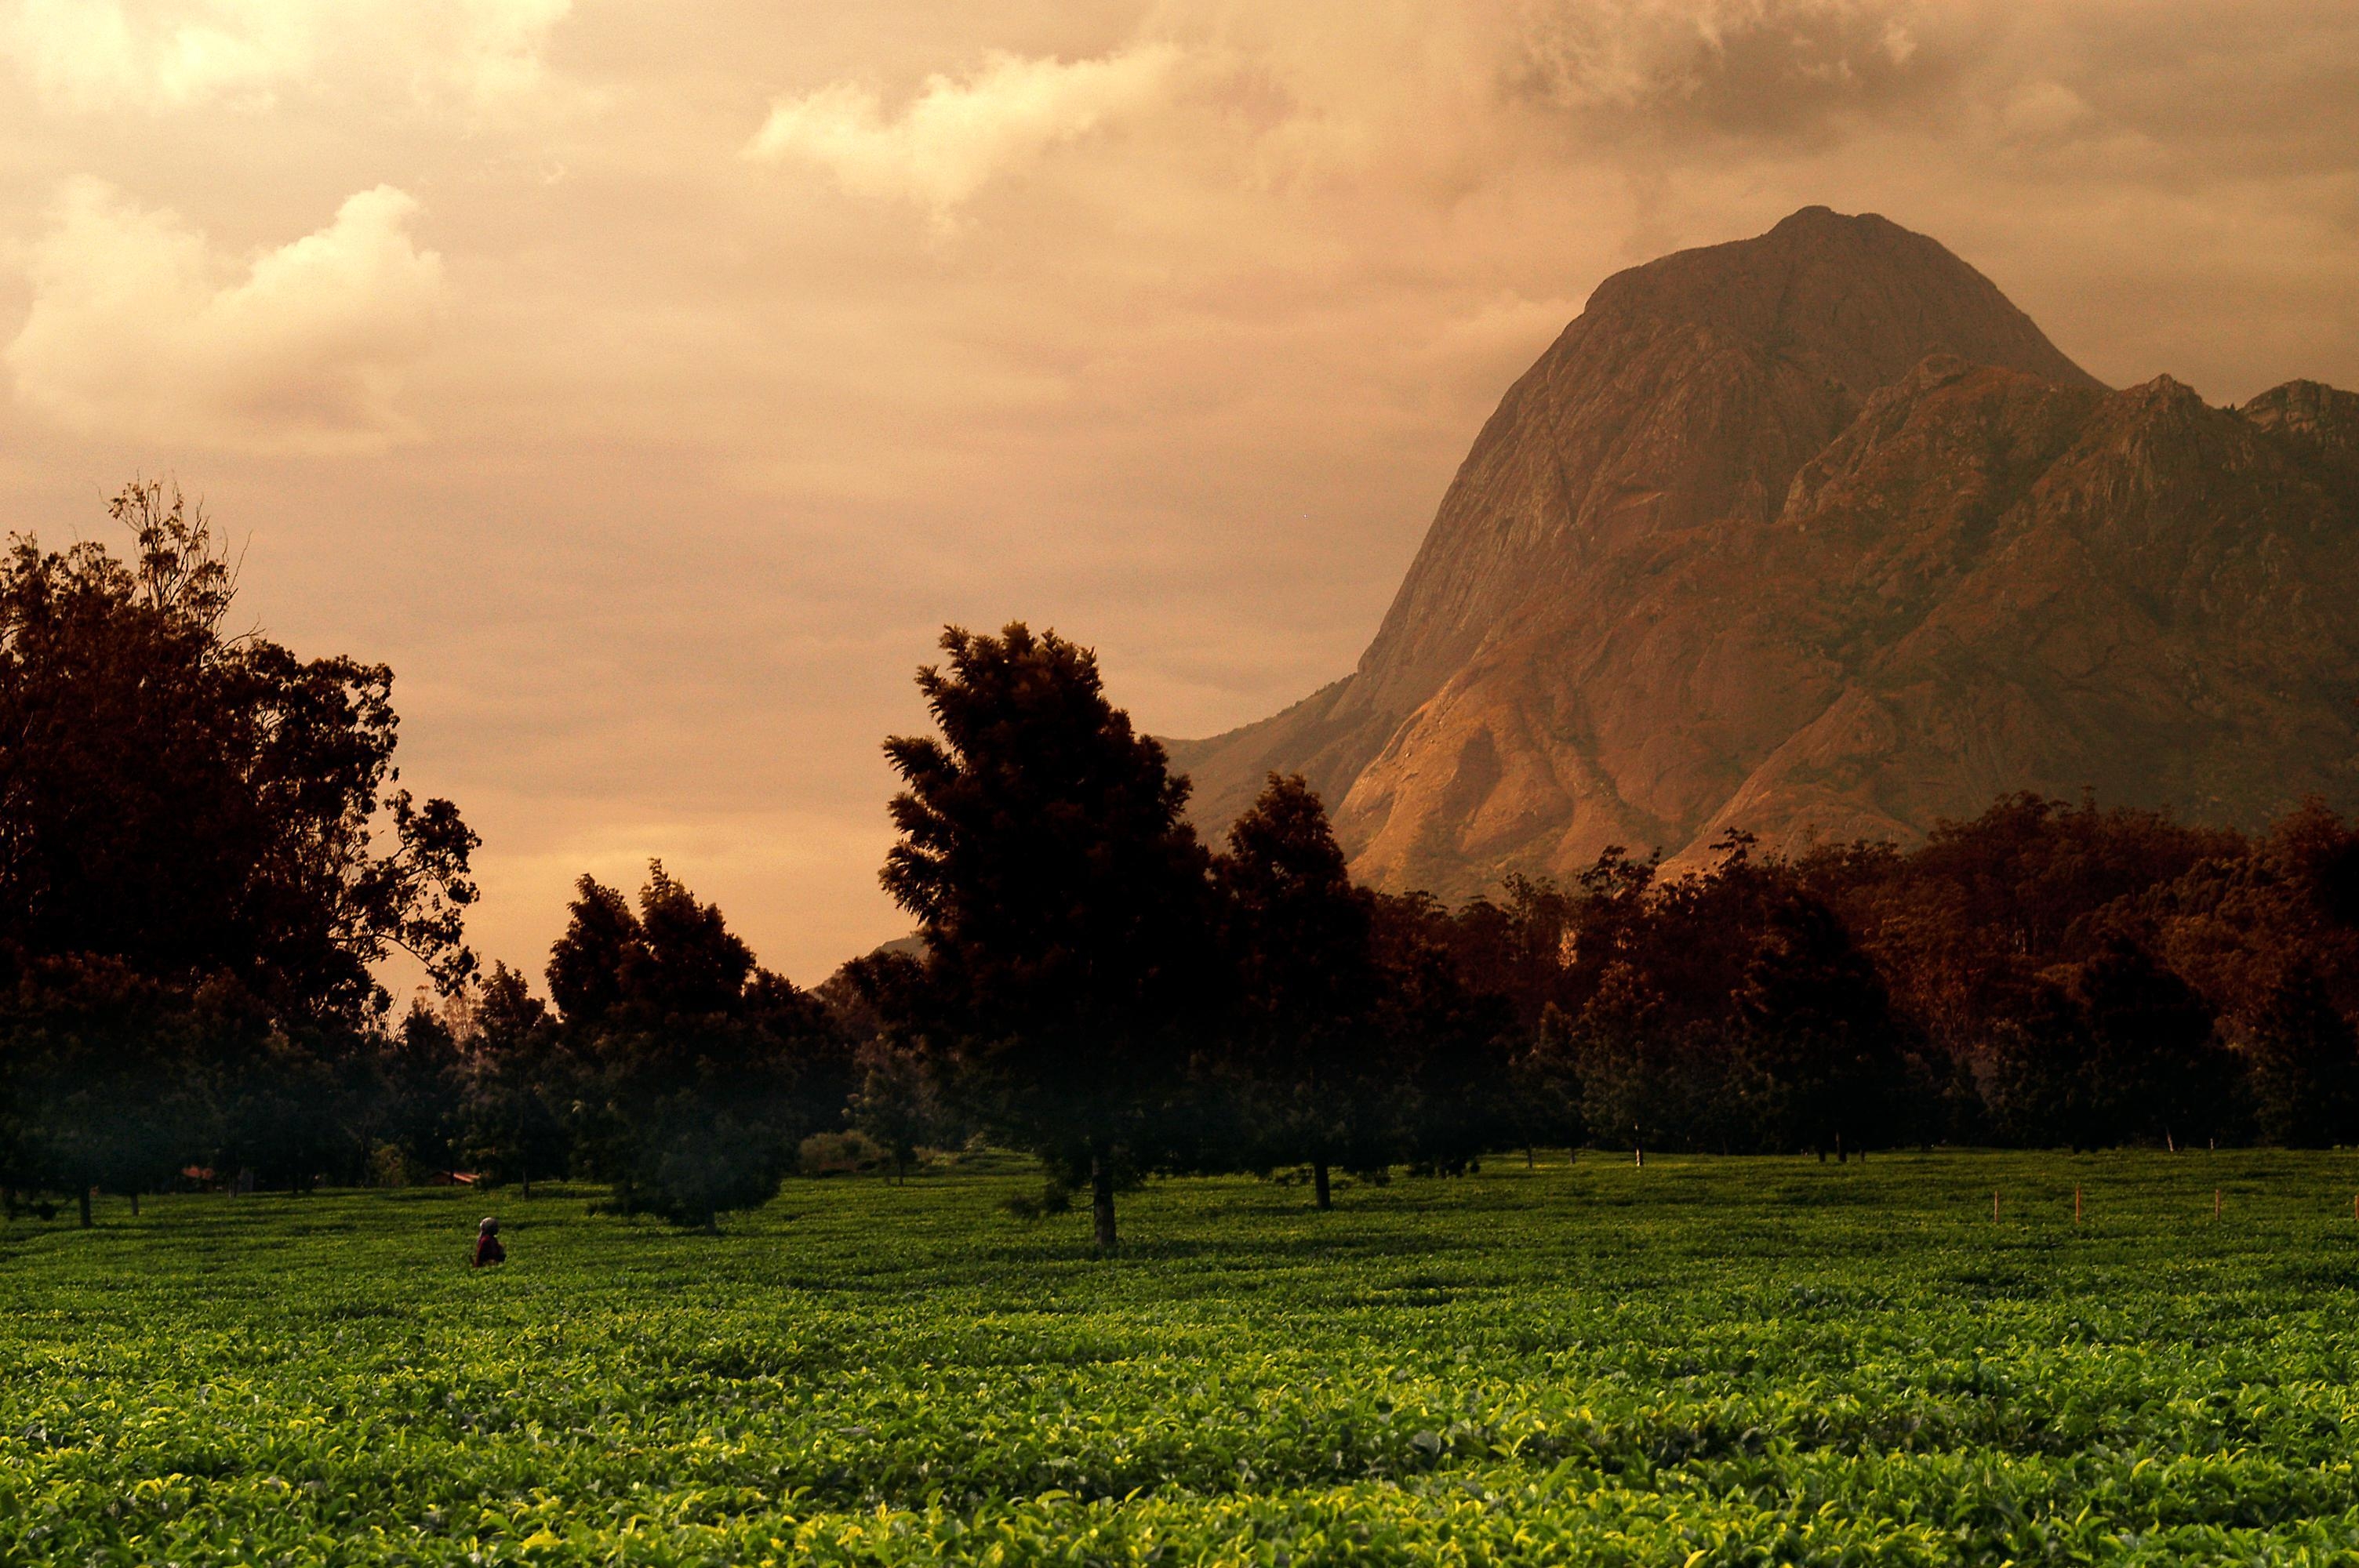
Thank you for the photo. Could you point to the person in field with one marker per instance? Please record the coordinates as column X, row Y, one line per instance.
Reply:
column 488, row 1249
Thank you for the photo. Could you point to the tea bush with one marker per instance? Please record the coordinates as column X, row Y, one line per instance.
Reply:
column 1748, row 1361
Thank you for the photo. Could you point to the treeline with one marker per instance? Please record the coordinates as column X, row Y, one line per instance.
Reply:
column 203, row 857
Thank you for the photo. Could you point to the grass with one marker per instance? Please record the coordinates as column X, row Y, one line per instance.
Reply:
column 1701, row 1362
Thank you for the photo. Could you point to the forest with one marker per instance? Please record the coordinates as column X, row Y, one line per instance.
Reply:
column 206, row 855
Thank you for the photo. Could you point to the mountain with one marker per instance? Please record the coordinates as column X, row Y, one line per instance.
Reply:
column 1817, row 534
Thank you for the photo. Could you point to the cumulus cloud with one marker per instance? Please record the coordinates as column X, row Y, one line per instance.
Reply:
column 137, row 330
column 956, row 137
column 106, row 54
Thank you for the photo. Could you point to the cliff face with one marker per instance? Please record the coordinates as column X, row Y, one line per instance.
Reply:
column 1815, row 534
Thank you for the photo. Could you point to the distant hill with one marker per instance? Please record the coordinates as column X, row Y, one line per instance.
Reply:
column 1817, row 534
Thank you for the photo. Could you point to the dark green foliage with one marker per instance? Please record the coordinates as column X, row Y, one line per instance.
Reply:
column 419, row 1083
column 898, row 1103
column 1311, row 1059
column 2156, row 1072
column 1819, row 1055
column 105, row 1079
column 698, row 1073
column 2304, row 1066
column 202, row 859
column 193, row 803
column 521, row 1085
column 1065, row 906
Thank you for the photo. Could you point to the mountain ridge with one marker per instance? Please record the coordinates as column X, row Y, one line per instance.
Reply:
column 1816, row 533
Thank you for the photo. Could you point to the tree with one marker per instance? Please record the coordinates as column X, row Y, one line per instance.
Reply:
column 2155, row 1069
column 701, row 1071
column 518, row 1085
column 1444, row 1062
column 1064, row 903
column 1303, row 951
column 105, row 1087
column 898, row 1103
column 2038, row 1074
column 194, row 804
column 415, row 1098
column 1648, row 1079
column 2304, row 1064
column 1817, row 1035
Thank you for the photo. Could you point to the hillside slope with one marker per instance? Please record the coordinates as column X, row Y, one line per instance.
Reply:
column 1815, row 534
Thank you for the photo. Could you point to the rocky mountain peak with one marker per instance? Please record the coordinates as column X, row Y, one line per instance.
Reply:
column 1817, row 533
column 2310, row 411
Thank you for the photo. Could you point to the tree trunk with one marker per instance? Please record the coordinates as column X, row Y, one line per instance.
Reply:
column 1822, row 1154
column 1318, row 1184
column 134, row 1203
column 1102, row 1202
column 527, row 1174
column 83, row 1194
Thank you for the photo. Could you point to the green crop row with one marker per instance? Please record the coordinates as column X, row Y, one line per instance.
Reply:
column 1701, row 1362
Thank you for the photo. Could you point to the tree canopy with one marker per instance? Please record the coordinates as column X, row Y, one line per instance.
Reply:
column 194, row 803
column 1063, row 899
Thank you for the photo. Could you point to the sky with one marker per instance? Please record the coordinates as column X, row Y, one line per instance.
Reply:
column 650, row 383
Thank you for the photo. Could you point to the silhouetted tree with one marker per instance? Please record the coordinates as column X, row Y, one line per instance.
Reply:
column 2304, row 1066
column 103, row 1086
column 1821, row 1063
column 1064, row 902
column 2037, row 1074
column 1449, row 1047
column 1649, row 1080
column 2156, row 1070
column 193, row 803
column 519, row 1086
column 413, row 1103
column 898, row 1103
column 1303, row 950
column 702, row 1073
column 590, row 961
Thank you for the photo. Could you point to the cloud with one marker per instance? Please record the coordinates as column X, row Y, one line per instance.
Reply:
column 956, row 137
column 108, row 55
column 135, row 333
column 1776, row 68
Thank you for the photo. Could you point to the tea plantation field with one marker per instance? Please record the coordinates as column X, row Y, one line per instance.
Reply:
column 1699, row 1362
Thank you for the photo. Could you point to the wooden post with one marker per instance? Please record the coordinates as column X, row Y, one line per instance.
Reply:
column 2076, row 1205
column 1994, row 1206
column 1639, row 1156
column 2215, row 1203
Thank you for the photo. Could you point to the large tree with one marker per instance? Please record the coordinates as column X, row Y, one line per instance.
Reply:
column 1817, row 1035
column 194, row 818
column 1302, row 944
column 1064, row 902
column 2304, row 1064
column 518, row 1086
column 194, row 802
column 703, row 1071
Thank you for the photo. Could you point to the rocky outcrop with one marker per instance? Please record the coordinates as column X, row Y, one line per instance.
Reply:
column 1816, row 534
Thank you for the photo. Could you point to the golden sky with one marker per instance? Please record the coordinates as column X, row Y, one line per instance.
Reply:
column 648, row 380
